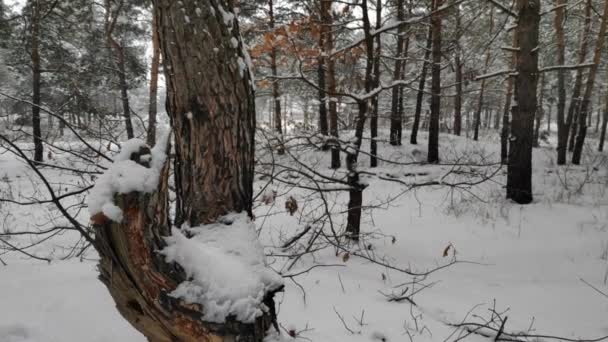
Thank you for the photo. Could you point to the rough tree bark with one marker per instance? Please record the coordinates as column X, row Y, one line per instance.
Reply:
column 211, row 105
column 586, row 101
column 433, row 149
column 421, row 85
column 519, row 171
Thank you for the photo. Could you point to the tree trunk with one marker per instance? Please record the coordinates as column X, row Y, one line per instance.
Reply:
column 539, row 111
column 36, row 82
column 213, row 120
column 586, row 102
column 459, row 80
column 575, row 102
column 483, row 83
column 562, row 124
column 276, row 96
column 433, row 149
column 604, row 124
column 421, row 85
column 152, row 109
column 322, row 96
column 506, row 129
column 119, row 62
column 278, row 126
column 598, row 116
column 519, row 172
column 373, row 143
column 396, row 128
column 327, row 31
column 458, row 97
column 355, row 200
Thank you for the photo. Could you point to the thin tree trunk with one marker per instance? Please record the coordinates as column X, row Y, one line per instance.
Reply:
column 421, row 85
column 373, row 144
column 459, row 80
column 483, row 82
column 519, row 171
column 562, row 123
column 111, row 19
column 604, row 124
column 458, row 97
column 539, row 111
column 152, row 109
column 433, row 149
column 396, row 128
column 323, row 129
column 355, row 200
column 506, row 129
column 575, row 102
column 327, row 18
column 598, row 116
column 586, row 101
column 36, row 82
column 276, row 96
column 214, row 161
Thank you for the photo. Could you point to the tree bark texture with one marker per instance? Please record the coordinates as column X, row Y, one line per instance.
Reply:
column 211, row 107
column 519, row 171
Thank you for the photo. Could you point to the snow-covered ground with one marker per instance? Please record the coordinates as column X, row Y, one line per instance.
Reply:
column 538, row 260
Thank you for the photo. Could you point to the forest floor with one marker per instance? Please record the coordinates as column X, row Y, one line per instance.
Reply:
column 535, row 264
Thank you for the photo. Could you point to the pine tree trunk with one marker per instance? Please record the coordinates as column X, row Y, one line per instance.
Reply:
column 373, row 143
column 396, row 128
column 586, row 101
column 539, row 111
column 327, row 31
column 458, row 97
column 213, row 121
column 355, row 200
column 604, row 124
column 519, row 171
column 276, row 96
column 421, row 85
column 36, row 82
column 433, row 149
column 459, row 80
column 152, row 109
column 111, row 19
column 483, row 83
column 506, row 129
column 323, row 129
column 575, row 102
column 562, row 124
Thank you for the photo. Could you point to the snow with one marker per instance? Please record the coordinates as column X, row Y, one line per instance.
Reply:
column 125, row 176
column 226, row 267
column 530, row 259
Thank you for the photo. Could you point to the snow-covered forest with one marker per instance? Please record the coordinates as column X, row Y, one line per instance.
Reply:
column 303, row 170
